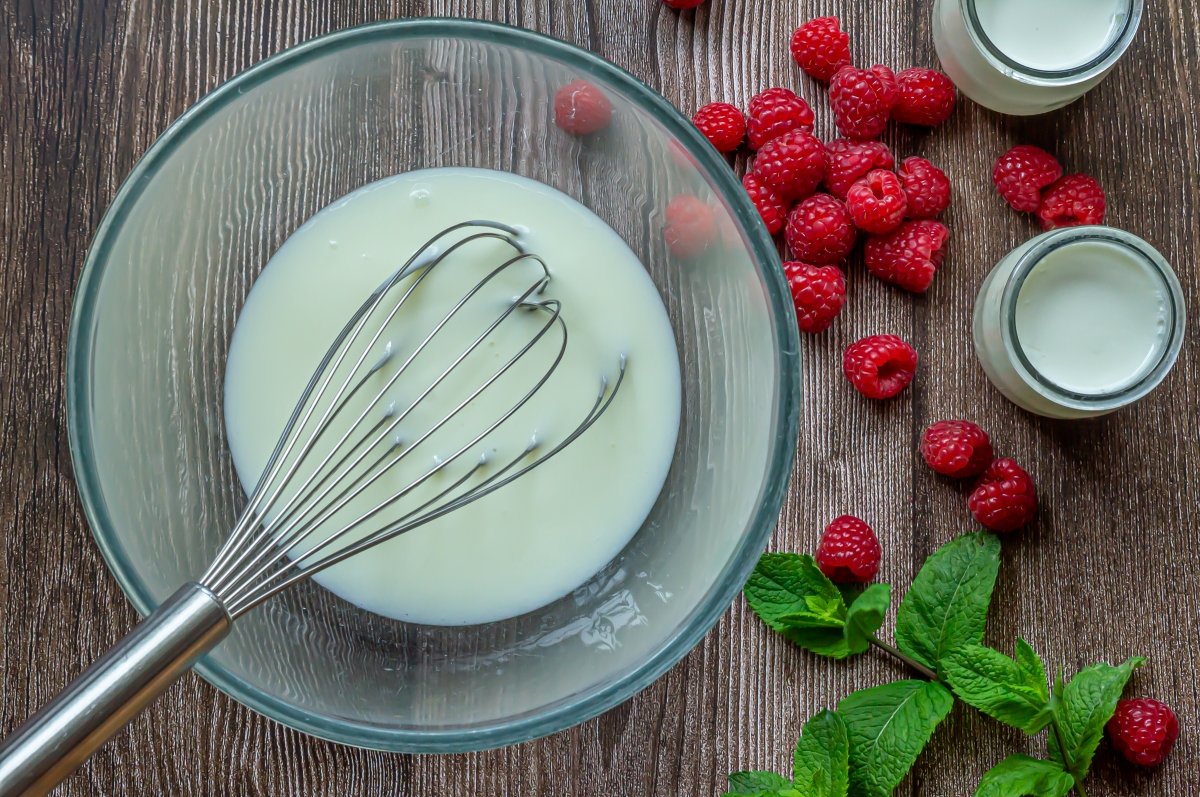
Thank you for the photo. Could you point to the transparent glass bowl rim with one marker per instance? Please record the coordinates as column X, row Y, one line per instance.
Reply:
column 567, row 712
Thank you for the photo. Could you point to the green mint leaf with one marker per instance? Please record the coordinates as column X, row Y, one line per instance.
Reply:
column 1022, row 776
column 948, row 602
column 1081, row 710
column 1014, row 692
column 888, row 727
column 788, row 585
column 865, row 615
column 792, row 596
column 822, row 756
column 751, row 784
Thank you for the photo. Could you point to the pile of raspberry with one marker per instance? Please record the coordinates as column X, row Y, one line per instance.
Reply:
column 824, row 197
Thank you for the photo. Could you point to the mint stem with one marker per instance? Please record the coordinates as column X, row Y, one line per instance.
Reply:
column 1070, row 766
column 911, row 662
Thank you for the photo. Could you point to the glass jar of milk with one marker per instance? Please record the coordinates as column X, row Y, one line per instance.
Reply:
column 1079, row 322
column 1027, row 57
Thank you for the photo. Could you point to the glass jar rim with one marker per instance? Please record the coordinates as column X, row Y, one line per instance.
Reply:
column 1098, row 65
column 1149, row 377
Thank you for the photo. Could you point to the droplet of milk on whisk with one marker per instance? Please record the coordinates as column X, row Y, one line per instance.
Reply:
column 333, row 244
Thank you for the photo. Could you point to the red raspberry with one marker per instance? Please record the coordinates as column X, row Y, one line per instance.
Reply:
column 1021, row 173
column 1004, row 498
column 1073, row 201
column 926, row 187
column 849, row 551
column 690, row 226
column 958, row 449
column 890, row 86
column 1143, row 730
column 847, row 161
column 910, row 256
column 876, row 202
column 821, row 48
column 820, row 230
column 722, row 124
column 581, row 109
column 682, row 3
column 777, row 111
column 880, row 366
column 818, row 292
column 792, row 164
column 926, row 97
column 862, row 102
column 772, row 209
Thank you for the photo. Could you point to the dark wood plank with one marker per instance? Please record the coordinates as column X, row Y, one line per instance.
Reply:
column 1110, row 569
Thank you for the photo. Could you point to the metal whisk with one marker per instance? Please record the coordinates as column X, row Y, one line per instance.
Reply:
column 295, row 522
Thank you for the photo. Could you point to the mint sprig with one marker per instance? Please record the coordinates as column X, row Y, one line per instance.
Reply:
column 821, row 765
column 1022, row 776
column 940, row 626
column 947, row 605
column 889, row 726
column 792, row 596
column 1013, row 691
column 1081, row 710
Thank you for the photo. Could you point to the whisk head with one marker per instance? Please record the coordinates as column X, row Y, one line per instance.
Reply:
column 348, row 431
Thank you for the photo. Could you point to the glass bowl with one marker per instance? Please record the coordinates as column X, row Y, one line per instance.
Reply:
column 197, row 220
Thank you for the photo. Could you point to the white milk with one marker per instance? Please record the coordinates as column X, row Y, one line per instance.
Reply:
column 1052, row 35
column 540, row 537
column 1092, row 317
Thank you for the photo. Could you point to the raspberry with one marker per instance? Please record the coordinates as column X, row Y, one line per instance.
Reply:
column 880, row 366
column 926, row 187
column 772, row 209
column 849, row 551
column 690, row 226
column 910, row 256
column 862, row 102
column 792, row 164
column 680, row 4
column 722, row 124
column 847, row 161
column 890, row 86
column 777, row 111
column 958, row 449
column 820, row 230
column 1143, row 730
column 818, row 292
column 1073, row 201
column 1021, row 173
column 1004, row 498
column 876, row 202
column 581, row 109
column 821, row 48
column 926, row 97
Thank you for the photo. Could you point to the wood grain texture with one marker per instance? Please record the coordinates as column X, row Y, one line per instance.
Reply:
column 1111, row 568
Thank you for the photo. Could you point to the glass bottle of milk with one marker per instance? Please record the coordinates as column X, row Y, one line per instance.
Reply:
column 1079, row 322
column 1026, row 57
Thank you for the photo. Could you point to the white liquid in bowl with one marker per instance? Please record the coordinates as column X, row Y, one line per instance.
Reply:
column 538, row 538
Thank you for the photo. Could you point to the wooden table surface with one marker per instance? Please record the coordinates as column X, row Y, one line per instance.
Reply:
column 1110, row 568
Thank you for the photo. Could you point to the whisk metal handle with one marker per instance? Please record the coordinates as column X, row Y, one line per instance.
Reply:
column 55, row 741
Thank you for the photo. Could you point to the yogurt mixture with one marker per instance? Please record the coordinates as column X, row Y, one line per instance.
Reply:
column 1092, row 317
column 543, row 535
column 1052, row 36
